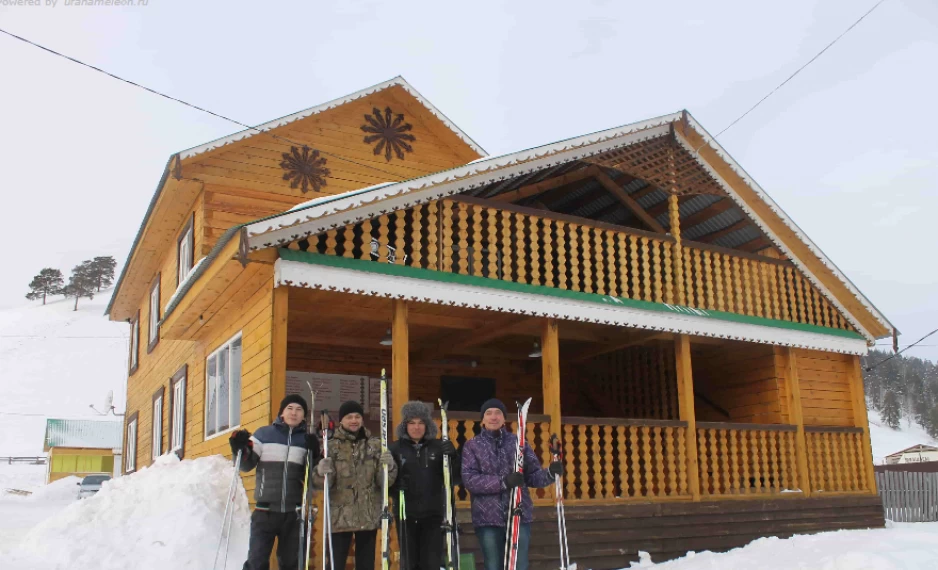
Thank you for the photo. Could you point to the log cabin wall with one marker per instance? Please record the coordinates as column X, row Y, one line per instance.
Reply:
column 825, row 388
column 635, row 382
column 739, row 382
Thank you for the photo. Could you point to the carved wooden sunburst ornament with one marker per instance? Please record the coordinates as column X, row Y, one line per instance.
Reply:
column 304, row 168
column 390, row 132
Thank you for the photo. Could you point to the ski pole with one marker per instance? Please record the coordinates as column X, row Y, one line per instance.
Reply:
column 225, row 520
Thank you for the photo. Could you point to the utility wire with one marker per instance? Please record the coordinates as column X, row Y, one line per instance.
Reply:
column 792, row 76
column 868, row 368
column 196, row 107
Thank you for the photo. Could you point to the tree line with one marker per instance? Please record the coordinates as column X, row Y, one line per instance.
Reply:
column 902, row 388
column 87, row 278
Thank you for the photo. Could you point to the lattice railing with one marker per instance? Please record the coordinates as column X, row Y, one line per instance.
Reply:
column 744, row 459
column 836, row 460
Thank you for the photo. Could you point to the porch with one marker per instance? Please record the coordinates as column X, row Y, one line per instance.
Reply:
column 646, row 417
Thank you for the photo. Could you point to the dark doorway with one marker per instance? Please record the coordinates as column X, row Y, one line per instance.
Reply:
column 466, row 393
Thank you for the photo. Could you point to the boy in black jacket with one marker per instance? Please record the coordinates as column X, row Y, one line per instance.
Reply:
column 419, row 456
column 279, row 453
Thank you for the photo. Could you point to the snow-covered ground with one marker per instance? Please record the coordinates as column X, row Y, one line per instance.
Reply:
column 167, row 515
column 55, row 362
column 901, row 546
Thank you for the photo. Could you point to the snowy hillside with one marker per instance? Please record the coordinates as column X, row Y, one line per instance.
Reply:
column 887, row 441
column 54, row 362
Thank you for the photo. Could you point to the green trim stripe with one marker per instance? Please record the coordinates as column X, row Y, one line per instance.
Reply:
column 474, row 281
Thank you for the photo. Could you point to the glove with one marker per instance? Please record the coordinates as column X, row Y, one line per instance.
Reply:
column 556, row 469
column 387, row 459
column 240, row 441
column 448, row 448
column 514, row 479
column 325, row 467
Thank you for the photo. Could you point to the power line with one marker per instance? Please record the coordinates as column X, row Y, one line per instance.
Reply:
column 868, row 368
column 792, row 76
column 193, row 106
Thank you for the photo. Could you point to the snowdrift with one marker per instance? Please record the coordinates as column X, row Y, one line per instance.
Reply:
column 901, row 546
column 167, row 515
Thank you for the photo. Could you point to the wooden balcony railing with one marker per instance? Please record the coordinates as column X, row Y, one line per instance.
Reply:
column 835, row 460
column 745, row 459
column 468, row 237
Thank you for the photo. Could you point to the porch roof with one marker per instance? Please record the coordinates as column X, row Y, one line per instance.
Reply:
column 364, row 277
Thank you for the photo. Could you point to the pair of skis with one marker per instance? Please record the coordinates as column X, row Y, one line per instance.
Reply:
column 308, row 512
column 514, row 502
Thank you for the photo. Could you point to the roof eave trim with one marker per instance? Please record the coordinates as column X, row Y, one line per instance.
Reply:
column 295, row 224
column 731, row 162
column 350, row 281
column 270, row 125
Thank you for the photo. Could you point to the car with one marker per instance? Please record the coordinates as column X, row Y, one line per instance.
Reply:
column 90, row 485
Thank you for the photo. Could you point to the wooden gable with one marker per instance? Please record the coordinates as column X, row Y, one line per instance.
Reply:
column 383, row 134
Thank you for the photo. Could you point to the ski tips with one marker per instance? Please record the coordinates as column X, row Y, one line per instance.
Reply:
column 383, row 374
column 523, row 408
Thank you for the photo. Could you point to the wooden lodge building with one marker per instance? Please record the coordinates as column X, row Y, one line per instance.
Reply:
column 697, row 352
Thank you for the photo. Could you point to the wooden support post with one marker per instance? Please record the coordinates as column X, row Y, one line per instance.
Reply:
column 278, row 349
column 400, row 360
column 550, row 374
column 797, row 418
column 861, row 420
column 685, row 394
column 677, row 251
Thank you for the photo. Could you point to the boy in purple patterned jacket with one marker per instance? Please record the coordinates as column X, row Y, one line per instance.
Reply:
column 488, row 473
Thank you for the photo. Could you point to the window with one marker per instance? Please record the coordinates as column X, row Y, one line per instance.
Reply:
column 157, row 447
column 130, row 461
column 135, row 343
column 177, row 412
column 154, row 328
column 223, row 388
column 185, row 247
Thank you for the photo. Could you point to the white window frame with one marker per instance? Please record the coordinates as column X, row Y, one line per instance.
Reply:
column 157, row 439
column 178, row 437
column 135, row 343
column 212, row 428
column 185, row 253
column 154, row 324
column 130, row 463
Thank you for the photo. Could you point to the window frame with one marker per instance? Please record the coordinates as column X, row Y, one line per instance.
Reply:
column 187, row 234
column 135, row 343
column 153, row 333
column 130, row 443
column 232, row 424
column 181, row 376
column 156, row 437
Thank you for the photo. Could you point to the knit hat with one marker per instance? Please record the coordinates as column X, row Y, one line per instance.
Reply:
column 493, row 403
column 412, row 411
column 350, row 407
column 293, row 399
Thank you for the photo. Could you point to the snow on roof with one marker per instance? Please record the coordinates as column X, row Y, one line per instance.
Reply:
column 96, row 434
column 914, row 449
column 397, row 81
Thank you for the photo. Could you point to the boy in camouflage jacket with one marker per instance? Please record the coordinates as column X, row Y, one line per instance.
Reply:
column 355, row 469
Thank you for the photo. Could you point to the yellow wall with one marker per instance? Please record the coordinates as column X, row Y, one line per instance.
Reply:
column 68, row 461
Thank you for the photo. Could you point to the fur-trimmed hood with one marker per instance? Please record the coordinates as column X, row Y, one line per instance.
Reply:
column 412, row 410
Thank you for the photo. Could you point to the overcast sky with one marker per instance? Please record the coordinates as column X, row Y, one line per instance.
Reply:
column 848, row 148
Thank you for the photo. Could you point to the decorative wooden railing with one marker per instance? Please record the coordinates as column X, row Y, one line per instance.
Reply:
column 835, row 460
column 737, row 282
column 510, row 243
column 609, row 458
column 746, row 459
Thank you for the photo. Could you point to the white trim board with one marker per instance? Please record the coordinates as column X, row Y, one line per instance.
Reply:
column 305, row 275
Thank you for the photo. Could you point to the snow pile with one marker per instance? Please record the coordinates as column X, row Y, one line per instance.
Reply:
column 65, row 489
column 901, row 546
column 887, row 441
column 167, row 515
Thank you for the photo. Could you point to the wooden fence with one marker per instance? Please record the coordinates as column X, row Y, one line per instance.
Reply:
column 909, row 496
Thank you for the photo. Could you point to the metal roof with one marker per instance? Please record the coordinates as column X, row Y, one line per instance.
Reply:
column 95, row 434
